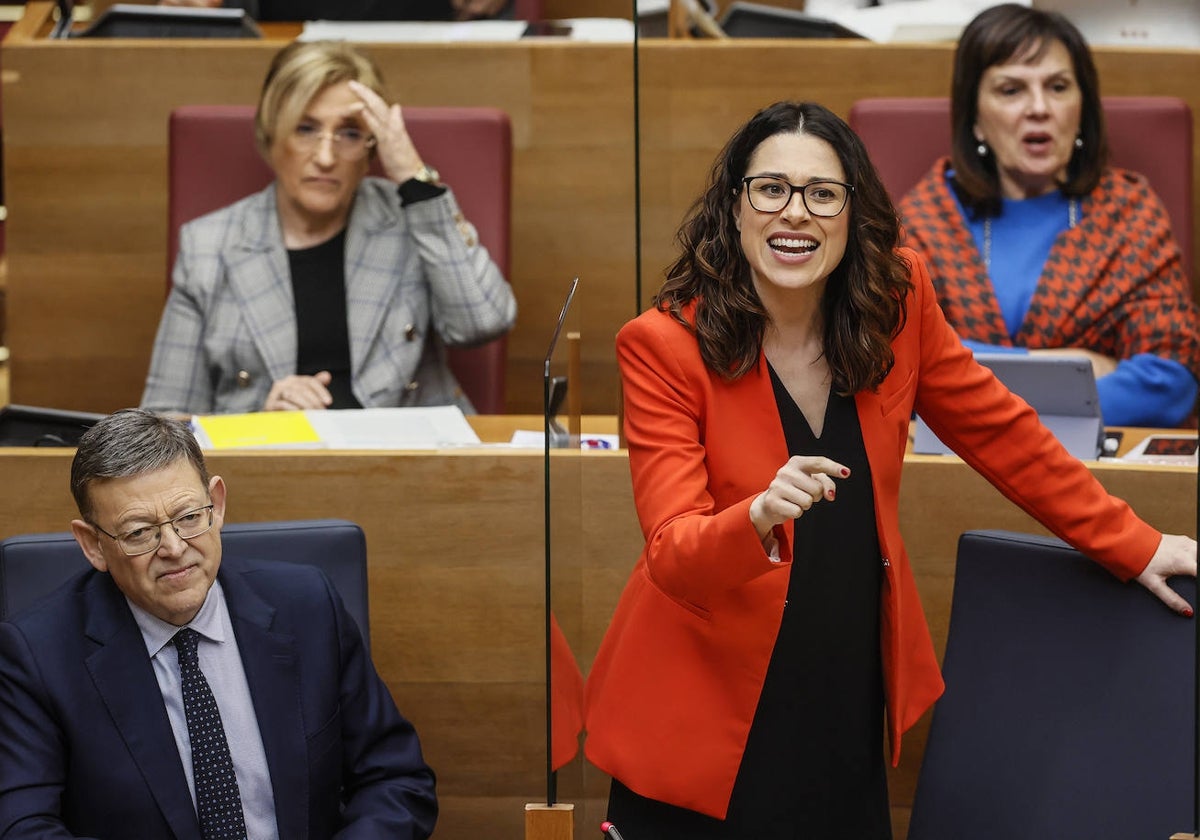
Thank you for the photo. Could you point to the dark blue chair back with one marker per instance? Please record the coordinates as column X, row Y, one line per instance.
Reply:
column 1069, row 707
column 33, row 565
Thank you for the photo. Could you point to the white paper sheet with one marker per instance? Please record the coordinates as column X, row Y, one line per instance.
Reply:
column 389, row 32
column 435, row 427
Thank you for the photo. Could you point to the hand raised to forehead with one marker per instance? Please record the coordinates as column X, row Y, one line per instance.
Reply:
column 397, row 154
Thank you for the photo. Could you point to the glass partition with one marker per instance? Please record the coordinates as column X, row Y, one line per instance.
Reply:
column 582, row 222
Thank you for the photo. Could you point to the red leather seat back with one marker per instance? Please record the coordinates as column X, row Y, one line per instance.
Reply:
column 1147, row 134
column 213, row 161
column 527, row 9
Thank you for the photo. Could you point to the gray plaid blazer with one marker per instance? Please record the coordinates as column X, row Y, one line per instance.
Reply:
column 416, row 281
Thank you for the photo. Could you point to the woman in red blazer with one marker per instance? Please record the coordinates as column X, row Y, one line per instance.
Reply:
column 772, row 617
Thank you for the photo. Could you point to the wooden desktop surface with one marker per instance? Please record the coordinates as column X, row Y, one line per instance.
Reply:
column 456, row 548
column 85, row 130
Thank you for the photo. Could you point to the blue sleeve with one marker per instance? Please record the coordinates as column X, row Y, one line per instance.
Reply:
column 984, row 347
column 1147, row 390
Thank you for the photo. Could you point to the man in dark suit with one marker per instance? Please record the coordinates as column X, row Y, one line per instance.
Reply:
column 106, row 733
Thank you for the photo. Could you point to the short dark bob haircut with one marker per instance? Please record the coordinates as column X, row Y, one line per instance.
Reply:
column 1001, row 35
column 864, row 299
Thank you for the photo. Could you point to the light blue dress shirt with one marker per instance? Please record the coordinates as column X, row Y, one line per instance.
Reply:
column 221, row 663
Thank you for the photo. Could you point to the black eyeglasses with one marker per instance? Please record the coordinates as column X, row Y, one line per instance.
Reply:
column 825, row 199
column 148, row 537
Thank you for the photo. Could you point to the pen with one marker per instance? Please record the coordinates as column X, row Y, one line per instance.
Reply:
column 610, row 831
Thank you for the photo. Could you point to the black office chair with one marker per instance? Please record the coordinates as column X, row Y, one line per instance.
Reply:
column 32, row 565
column 1069, row 708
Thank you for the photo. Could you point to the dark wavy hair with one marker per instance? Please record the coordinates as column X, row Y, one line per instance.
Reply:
column 863, row 305
column 1000, row 35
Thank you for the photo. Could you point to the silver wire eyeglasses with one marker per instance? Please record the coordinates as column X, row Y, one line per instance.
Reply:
column 148, row 537
column 348, row 141
column 825, row 199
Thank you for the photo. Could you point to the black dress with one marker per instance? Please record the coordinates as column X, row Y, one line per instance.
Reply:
column 814, row 762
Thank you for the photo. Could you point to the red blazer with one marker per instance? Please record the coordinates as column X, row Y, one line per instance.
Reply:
column 674, row 687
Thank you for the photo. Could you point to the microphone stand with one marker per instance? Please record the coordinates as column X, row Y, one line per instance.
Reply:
column 551, row 820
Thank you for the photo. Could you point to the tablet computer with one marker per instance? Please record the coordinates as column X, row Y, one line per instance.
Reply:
column 1061, row 389
column 755, row 20
column 127, row 20
column 1180, row 448
column 26, row 425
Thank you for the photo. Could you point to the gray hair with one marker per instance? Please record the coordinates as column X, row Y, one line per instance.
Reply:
column 131, row 442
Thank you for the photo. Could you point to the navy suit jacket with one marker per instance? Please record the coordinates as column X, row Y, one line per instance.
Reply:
column 86, row 749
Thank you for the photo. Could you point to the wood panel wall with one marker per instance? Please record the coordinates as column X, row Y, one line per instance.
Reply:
column 85, row 172
column 695, row 94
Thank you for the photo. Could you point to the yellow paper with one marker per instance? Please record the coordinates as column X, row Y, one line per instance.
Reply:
column 261, row 428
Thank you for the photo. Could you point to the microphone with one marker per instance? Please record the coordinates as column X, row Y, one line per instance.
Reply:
column 610, row 831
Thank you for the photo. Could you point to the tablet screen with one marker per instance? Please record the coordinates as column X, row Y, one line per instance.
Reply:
column 1185, row 446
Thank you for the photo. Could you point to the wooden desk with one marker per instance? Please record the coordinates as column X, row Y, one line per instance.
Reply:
column 456, row 560
column 85, row 156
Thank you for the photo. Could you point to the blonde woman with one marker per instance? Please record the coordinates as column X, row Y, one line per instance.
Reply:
column 329, row 288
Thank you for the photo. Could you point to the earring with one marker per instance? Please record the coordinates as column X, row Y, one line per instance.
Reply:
column 981, row 149
column 1078, row 142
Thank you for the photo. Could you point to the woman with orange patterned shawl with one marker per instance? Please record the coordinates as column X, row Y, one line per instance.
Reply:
column 1034, row 244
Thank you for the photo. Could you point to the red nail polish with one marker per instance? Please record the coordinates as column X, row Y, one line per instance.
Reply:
column 845, row 472
column 1187, row 611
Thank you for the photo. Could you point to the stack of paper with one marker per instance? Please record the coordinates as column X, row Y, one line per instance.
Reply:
column 434, row 427
column 393, row 32
column 261, row 429
column 594, row 30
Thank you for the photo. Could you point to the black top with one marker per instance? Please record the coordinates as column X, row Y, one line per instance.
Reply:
column 814, row 761
column 319, row 295
column 322, row 333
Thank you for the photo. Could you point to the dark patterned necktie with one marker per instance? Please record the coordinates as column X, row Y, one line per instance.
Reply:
column 218, row 803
